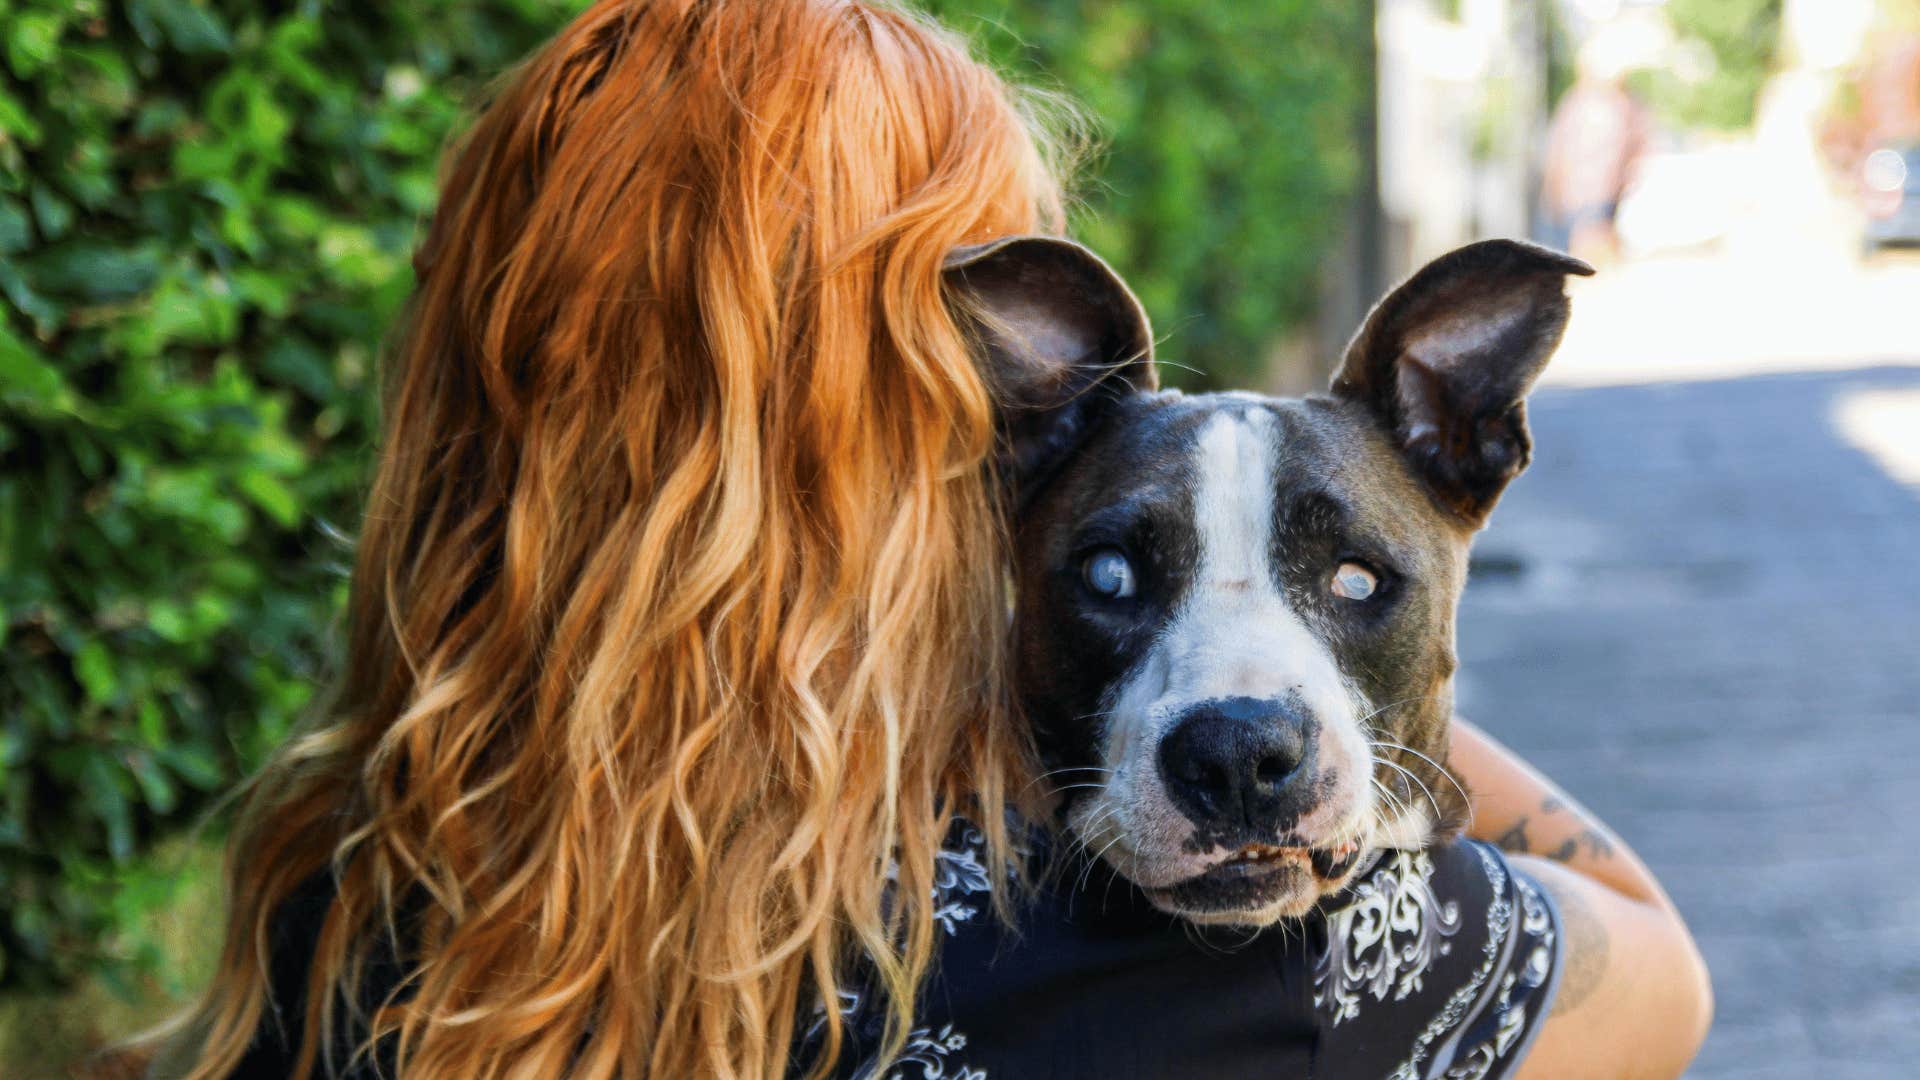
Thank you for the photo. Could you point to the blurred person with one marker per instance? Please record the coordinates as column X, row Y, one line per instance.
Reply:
column 1595, row 140
column 1890, row 90
column 677, row 643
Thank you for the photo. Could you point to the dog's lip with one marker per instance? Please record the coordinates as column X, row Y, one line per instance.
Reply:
column 1327, row 863
column 1250, row 871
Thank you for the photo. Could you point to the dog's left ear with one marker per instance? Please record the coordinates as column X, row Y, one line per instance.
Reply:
column 1445, row 362
column 1059, row 338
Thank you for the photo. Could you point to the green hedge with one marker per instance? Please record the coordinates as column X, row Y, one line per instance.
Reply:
column 1232, row 152
column 206, row 215
column 206, row 212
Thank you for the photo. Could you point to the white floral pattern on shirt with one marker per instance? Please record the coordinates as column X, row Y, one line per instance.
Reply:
column 1384, row 940
column 958, row 873
column 927, row 1050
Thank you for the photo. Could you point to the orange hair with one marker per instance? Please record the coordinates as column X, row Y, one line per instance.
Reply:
column 680, row 603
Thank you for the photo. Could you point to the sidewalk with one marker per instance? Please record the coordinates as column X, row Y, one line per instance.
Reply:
column 1700, row 610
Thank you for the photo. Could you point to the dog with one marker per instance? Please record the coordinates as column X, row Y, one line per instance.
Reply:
column 1234, row 614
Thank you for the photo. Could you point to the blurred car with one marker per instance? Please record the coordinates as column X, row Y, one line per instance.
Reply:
column 1890, row 193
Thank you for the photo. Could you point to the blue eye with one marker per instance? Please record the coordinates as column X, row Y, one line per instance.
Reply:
column 1109, row 574
column 1354, row 582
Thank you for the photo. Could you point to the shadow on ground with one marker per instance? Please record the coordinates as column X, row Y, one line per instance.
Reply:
column 1700, row 610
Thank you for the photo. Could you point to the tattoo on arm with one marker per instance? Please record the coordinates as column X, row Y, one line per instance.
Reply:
column 1595, row 840
column 1515, row 838
column 1583, row 957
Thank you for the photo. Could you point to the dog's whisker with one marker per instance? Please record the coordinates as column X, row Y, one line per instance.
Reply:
column 1413, row 778
column 1076, row 768
column 1086, row 872
column 1392, row 798
column 1064, row 788
column 1096, row 859
column 1394, row 704
column 1442, row 768
column 1410, row 775
column 1081, row 837
column 1404, row 771
column 1395, row 804
column 1068, row 769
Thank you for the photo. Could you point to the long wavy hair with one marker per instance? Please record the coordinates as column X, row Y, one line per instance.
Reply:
column 676, row 636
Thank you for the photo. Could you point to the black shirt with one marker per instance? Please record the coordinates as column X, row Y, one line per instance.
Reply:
column 1437, row 965
column 1431, row 964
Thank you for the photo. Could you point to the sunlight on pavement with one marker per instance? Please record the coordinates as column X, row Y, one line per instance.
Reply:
column 1726, row 314
column 1884, row 425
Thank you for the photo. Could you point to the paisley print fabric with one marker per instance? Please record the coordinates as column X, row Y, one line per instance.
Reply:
column 1383, row 940
column 1475, row 985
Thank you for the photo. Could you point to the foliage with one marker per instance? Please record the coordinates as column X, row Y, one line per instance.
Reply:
column 206, row 213
column 1741, row 38
column 1232, row 151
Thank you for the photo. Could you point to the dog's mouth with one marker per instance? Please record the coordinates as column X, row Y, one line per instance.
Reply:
column 1326, row 862
column 1258, row 878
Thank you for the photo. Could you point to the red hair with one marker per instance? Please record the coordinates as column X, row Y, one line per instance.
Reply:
column 680, row 602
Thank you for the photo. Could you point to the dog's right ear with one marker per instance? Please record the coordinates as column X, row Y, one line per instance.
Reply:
column 1059, row 337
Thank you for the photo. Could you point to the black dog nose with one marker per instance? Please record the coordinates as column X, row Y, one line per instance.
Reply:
column 1239, row 763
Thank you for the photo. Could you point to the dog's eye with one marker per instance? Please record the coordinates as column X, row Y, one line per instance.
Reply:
column 1354, row 582
column 1109, row 574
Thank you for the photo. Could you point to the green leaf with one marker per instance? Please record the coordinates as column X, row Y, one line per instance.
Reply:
column 271, row 494
column 152, row 724
column 28, row 380
column 106, row 795
column 191, row 27
column 195, row 763
column 94, row 270
column 42, row 311
column 16, row 121
column 93, row 667
column 169, row 620
column 155, row 785
column 54, row 213
column 15, row 232
column 32, row 40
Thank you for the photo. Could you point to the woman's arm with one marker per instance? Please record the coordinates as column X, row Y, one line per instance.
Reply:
column 1634, row 997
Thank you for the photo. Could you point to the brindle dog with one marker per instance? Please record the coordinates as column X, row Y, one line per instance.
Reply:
column 1235, row 613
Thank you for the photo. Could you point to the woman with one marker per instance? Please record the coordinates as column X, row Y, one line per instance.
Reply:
column 678, row 621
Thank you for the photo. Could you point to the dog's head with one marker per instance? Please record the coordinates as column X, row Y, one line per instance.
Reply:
column 1235, row 613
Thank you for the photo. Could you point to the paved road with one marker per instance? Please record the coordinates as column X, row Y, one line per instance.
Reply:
column 1700, row 610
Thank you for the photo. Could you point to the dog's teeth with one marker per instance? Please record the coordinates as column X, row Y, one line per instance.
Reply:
column 1256, row 853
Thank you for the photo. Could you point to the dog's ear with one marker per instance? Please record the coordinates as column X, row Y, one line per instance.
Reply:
column 1445, row 362
column 1059, row 337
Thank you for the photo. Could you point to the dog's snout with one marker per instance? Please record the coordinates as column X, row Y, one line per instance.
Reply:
column 1239, row 763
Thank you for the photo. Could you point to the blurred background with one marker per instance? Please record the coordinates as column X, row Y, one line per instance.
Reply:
column 1697, row 610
